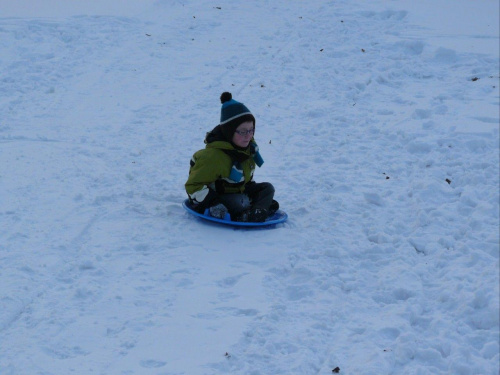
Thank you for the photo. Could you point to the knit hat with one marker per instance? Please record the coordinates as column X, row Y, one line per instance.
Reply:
column 232, row 115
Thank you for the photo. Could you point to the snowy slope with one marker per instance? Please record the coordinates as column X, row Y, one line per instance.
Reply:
column 379, row 125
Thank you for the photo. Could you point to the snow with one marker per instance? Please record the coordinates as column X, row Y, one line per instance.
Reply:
column 378, row 123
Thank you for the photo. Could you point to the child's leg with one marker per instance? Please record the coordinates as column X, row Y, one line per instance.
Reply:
column 235, row 203
column 261, row 194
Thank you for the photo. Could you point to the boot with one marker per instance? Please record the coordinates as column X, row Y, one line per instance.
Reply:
column 257, row 215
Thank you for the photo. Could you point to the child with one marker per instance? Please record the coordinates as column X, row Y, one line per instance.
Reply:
column 221, row 174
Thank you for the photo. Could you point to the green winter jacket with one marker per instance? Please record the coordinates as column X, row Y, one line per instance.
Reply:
column 219, row 168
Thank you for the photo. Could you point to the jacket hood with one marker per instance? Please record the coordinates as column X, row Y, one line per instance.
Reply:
column 215, row 135
column 216, row 139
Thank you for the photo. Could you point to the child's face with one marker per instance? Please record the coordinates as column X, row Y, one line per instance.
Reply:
column 243, row 134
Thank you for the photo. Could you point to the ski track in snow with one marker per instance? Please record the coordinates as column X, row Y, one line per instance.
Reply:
column 381, row 145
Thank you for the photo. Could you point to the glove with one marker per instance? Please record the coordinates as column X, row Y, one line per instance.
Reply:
column 211, row 199
column 218, row 211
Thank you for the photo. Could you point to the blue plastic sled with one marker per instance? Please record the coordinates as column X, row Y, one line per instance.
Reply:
column 278, row 217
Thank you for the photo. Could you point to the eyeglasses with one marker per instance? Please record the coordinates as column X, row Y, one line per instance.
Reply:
column 245, row 132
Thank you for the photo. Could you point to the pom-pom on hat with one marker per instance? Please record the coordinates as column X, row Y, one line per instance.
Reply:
column 232, row 115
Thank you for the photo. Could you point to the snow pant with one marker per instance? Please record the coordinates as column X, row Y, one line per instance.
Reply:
column 256, row 195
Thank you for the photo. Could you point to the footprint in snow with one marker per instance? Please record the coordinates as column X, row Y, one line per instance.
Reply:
column 151, row 363
column 374, row 198
column 230, row 281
